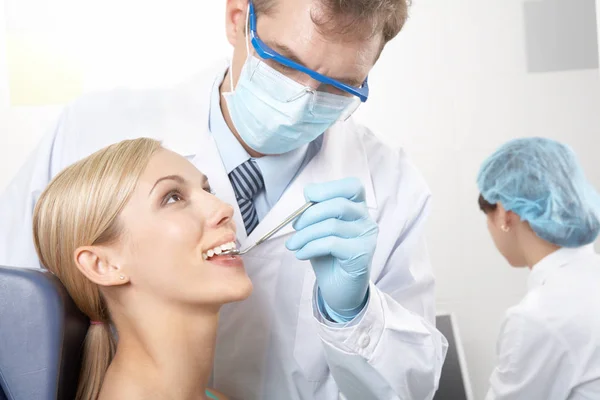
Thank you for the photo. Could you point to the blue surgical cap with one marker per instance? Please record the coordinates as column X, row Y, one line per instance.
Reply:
column 542, row 182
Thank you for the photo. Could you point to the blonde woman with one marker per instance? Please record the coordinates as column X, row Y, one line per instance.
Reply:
column 132, row 232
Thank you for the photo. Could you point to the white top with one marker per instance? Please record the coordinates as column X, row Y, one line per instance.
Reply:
column 549, row 346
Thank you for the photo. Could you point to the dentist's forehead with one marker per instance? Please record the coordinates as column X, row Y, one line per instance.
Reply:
column 292, row 32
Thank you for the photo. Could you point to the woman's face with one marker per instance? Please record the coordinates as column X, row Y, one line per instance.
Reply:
column 169, row 225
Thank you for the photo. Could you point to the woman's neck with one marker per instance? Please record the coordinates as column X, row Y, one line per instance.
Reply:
column 535, row 250
column 170, row 353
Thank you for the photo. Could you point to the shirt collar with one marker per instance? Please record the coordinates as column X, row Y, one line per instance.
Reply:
column 554, row 262
column 279, row 170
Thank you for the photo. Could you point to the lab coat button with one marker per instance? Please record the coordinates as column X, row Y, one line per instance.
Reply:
column 364, row 341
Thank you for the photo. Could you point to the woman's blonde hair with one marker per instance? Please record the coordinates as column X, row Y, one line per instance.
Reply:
column 80, row 207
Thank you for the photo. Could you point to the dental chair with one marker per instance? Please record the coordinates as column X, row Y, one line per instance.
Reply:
column 41, row 337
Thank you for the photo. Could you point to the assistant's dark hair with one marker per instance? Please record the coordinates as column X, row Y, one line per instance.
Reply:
column 486, row 206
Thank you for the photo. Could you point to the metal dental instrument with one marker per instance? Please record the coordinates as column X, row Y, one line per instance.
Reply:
column 292, row 217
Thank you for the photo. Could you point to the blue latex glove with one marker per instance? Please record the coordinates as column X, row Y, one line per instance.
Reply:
column 339, row 238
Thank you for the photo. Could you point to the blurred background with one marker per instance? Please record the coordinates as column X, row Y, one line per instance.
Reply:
column 462, row 78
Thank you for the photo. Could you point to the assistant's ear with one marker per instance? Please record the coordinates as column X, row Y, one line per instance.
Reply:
column 94, row 262
column 505, row 220
column 512, row 219
column 502, row 219
column 235, row 19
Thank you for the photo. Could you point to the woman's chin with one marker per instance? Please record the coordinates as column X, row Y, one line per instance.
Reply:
column 234, row 290
column 242, row 291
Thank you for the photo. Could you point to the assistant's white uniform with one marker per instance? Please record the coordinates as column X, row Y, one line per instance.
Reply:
column 549, row 348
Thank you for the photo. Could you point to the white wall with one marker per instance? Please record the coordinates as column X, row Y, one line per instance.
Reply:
column 598, row 22
column 450, row 89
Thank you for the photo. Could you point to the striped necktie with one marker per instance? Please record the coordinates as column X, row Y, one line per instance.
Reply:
column 247, row 182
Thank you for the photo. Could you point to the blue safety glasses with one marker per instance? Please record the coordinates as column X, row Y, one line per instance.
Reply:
column 268, row 53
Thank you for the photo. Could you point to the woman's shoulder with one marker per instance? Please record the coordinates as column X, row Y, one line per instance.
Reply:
column 117, row 388
column 137, row 392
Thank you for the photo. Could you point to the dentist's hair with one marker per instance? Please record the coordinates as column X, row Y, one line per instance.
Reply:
column 80, row 207
column 366, row 17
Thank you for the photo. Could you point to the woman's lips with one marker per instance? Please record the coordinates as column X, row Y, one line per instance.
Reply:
column 227, row 261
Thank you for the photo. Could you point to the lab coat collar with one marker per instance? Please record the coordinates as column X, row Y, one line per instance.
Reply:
column 342, row 155
column 553, row 262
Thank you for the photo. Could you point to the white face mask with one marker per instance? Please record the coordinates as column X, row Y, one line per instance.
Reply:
column 274, row 114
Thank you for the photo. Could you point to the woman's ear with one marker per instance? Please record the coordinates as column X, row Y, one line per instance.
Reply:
column 94, row 262
column 512, row 219
column 504, row 220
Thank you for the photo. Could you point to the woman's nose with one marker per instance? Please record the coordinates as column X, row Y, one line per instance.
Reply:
column 220, row 213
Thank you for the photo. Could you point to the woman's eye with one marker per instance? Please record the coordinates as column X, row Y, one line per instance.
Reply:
column 172, row 198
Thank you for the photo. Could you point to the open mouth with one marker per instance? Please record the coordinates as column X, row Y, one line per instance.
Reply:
column 218, row 250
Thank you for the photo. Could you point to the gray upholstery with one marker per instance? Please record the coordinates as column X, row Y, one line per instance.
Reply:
column 41, row 337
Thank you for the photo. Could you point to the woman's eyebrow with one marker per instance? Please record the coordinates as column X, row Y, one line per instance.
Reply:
column 175, row 178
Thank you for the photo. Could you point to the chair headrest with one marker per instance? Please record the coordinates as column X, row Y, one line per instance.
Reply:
column 41, row 336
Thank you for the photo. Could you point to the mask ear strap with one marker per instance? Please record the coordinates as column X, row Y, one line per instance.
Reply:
column 248, row 31
column 247, row 28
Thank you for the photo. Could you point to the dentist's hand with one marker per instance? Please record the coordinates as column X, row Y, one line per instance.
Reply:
column 339, row 237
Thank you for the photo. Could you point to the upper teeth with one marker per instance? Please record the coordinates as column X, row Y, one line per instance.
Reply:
column 218, row 250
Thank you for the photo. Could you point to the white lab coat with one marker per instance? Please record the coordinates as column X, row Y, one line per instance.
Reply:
column 275, row 344
column 549, row 348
